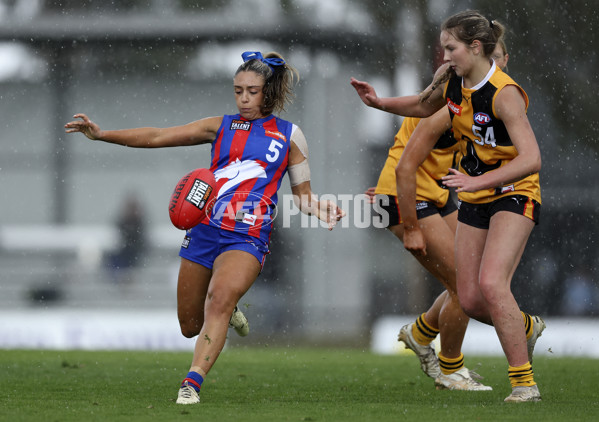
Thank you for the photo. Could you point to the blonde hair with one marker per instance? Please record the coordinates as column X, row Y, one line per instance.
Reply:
column 278, row 81
column 501, row 42
column 503, row 46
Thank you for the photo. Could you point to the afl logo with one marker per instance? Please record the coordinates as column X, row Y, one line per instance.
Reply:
column 482, row 118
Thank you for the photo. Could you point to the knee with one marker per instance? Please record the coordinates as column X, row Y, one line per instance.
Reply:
column 467, row 306
column 220, row 302
column 492, row 290
column 190, row 327
column 472, row 310
column 188, row 333
column 472, row 305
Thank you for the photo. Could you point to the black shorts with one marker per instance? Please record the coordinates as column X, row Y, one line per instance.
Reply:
column 388, row 204
column 479, row 215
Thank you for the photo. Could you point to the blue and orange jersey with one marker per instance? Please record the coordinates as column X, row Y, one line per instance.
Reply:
column 249, row 161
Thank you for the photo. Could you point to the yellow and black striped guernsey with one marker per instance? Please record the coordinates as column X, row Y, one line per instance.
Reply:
column 428, row 176
column 484, row 142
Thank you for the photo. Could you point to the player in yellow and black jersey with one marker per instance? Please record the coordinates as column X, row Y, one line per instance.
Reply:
column 487, row 144
column 501, row 180
column 430, row 187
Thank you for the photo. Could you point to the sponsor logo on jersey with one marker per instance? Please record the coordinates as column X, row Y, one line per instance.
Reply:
column 240, row 125
column 199, row 193
column 455, row 109
column 185, row 243
column 482, row 118
column 274, row 134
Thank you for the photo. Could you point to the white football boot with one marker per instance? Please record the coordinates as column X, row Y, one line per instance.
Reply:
column 428, row 359
column 538, row 325
column 524, row 394
column 188, row 395
column 459, row 380
column 239, row 322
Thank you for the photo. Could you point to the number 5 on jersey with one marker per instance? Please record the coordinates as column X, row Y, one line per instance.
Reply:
column 275, row 148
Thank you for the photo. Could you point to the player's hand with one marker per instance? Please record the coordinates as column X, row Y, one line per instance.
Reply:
column 367, row 93
column 413, row 241
column 370, row 195
column 460, row 181
column 85, row 126
column 330, row 213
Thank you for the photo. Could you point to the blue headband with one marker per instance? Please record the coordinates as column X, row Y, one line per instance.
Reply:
column 256, row 55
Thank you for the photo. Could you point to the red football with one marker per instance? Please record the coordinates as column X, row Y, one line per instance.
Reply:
column 191, row 200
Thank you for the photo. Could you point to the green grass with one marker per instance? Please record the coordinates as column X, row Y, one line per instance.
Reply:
column 279, row 384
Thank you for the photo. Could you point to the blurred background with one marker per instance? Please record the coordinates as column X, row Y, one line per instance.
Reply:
column 84, row 228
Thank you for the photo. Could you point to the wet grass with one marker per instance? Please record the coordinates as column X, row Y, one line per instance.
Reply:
column 278, row 384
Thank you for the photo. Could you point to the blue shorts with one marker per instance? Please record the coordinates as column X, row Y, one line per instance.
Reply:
column 203, row 243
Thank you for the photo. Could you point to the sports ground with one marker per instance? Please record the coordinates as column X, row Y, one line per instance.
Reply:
column 279, row 384
column 62, row 366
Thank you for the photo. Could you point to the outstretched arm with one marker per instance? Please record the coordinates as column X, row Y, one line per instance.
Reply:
column 404, row 106
column 299, row 177
column 411, row 105
column 421, row 143
column 309, row 204
column 194, row 133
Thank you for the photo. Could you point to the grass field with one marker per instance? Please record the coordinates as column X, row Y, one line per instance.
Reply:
column 279, row 384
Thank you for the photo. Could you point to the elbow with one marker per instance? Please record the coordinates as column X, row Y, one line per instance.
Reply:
column 398, row 172
column 539, row 162
column 424, row 113
column 402, row 171
column 536, row 165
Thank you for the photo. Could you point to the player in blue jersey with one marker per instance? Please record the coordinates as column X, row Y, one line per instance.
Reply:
column 251, row 152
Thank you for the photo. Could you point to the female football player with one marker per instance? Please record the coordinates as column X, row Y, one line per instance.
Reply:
column 251, row 152
column 498, row 185
column 432, row 222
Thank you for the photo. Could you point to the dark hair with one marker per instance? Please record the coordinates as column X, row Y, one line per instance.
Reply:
column 467, row 27
column 278, row 82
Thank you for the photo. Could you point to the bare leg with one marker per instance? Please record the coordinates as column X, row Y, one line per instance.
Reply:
column 486, row 261
column 470, row 243
column 508, row 234
column 233, row 274
column 446, row 313
column 192, row 288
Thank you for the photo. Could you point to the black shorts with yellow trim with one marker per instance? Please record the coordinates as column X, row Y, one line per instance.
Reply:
column 389, row 205
column 479, row 215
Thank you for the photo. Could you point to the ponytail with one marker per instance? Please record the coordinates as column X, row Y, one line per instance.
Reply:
column 438, row 80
